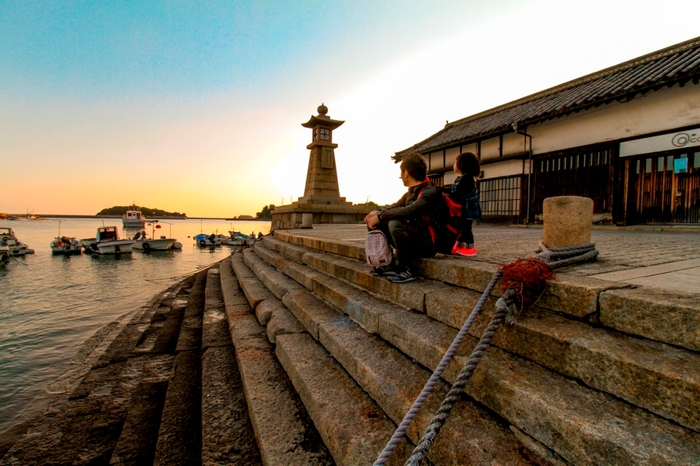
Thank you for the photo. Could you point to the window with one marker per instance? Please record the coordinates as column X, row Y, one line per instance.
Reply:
column 325, row 134
column 500, row 196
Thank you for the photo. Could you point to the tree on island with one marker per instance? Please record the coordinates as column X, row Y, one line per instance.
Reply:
column 266, row 213
column 148, row 212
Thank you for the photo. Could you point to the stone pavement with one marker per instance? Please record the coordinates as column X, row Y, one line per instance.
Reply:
column 664, row 260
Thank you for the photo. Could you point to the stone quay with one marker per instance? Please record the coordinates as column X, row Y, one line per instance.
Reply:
column 291, row 352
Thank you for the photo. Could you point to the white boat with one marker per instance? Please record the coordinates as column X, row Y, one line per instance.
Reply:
column 151, row 244
column 107, row 241
column 133, row 218
column 14, row 246
column 207, row 241
column 65, row 246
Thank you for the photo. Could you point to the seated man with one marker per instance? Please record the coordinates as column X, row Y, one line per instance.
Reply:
column 411, row 224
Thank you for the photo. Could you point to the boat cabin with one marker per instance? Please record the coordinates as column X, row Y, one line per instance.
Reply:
column 133, row 215
column 7, row 237
column 107, row 234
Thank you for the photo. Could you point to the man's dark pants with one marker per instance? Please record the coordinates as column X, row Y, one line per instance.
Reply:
column 409, row 241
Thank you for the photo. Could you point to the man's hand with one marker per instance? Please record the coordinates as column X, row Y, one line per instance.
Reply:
column 372, row 220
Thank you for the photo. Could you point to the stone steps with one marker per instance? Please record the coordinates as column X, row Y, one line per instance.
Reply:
column 583, row 425
column 391, row 379
column 83, row 426
column 606, row 360
column 165, row 390
column 661, row 316
column 284, row 432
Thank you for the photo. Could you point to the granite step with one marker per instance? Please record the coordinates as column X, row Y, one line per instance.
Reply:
column 582, row 425
column 83, row 426
column 661, row 316
column 180, row 432
column 353, row 428
column 655, row 376
column 284, row 432
column 393, row 381
column 227, row 433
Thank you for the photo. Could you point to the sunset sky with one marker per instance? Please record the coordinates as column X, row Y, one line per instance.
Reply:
column 197, row 107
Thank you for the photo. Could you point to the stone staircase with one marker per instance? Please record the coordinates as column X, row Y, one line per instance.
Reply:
column 293, row 353
column 595, row 373
column 162, row 386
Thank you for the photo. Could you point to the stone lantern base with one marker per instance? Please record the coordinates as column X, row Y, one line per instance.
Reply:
column 297, row 215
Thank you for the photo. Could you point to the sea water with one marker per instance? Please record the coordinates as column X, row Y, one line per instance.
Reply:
column 49, row 305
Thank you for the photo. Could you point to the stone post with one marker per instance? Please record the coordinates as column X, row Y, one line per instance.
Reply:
column 568, row 221
column 307, row 220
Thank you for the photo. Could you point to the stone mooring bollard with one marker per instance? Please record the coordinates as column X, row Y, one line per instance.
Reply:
column 307, row 220
column 568, row 221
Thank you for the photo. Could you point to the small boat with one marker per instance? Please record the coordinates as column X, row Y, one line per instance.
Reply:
column 107, row 241
column 133, row 218
column 4, row 255
column 207, row 241
column 14, row 245
column 65, row 246
column 151, row 244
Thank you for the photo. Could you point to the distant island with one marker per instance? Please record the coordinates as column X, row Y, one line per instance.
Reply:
column 147, row 211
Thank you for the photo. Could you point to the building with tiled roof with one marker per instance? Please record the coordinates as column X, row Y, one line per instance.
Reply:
column 627, row 136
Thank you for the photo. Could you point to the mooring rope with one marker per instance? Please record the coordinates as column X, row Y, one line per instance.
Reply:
column 428, row 388
column 505, row 307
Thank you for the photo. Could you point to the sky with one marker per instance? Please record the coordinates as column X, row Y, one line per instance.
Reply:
column 196, row 107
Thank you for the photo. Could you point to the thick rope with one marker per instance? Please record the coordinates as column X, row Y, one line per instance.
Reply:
column 503, row 305
column 557, row 258
column 428, row 388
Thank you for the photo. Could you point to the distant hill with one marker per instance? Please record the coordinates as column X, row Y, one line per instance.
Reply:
column 148, row 212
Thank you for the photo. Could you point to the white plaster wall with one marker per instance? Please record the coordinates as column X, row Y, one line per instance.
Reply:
column 435, row 160
column 513, row 144
column 450, row 156
column 449, row 177
column 505, row 168
column 473, row 148
column 490, row 148
column 662, row 110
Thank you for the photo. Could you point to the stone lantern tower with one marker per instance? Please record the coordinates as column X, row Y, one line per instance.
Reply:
column 322, row 177
column 321, row 202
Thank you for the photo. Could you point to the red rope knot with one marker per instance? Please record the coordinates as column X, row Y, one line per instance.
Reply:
column 528, row 277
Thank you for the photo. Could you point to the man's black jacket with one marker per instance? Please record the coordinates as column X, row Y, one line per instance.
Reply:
column 427, row 210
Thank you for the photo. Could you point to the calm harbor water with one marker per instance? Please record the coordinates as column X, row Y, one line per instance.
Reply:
column 49, row 305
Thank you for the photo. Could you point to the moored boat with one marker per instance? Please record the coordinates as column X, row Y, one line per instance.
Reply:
column 4, row 254
column 133, row 219
column 14, row 245
column 152, row 244
column 66, row 246
column 207, row 241
column 107, row 241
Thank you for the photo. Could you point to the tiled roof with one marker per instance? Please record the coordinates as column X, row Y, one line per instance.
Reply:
column 677, row 64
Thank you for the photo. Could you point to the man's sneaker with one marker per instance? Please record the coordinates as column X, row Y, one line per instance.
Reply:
column 383, row 270
column 463, row 251
column 402, row 276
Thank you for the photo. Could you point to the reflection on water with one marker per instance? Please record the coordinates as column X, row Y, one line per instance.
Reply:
column 50, row 304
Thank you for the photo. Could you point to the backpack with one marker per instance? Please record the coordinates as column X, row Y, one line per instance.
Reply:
column 446, row 234
column 472, row 209
column 377, row 249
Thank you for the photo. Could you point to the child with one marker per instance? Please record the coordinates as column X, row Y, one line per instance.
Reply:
column 467, row 167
